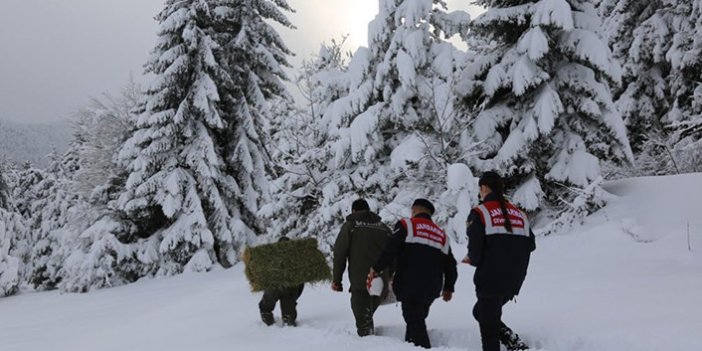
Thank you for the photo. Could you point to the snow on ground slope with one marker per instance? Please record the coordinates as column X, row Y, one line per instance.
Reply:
column 626, row 280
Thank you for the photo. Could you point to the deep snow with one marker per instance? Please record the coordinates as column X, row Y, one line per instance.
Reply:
column 625, row 280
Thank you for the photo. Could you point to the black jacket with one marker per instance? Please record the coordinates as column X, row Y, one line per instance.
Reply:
column 422, row 272
column 501, row 260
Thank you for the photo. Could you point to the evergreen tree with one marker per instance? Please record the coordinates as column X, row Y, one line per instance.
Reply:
column 23, row 184
column 47, row 199
column 685, row 56
column 196, row 162
column 176, row 186
column 655, row 42
column 5, row 190
column 103, row 249
column 255, row 59
column 10, row 265
column 542, row 81
column 12, row 244
column 639, row 34
column 396, row 130
column 26, row 191
column 355, row 138
column 70, row 241
column 300, row 140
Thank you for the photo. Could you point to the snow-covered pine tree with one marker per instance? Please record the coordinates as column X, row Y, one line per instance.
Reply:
column 685, row 56
column 543, row 77
column 397, row 130
column 10, row 265
column 420, row 69
column 5, row 190
column 355, row 146
column 12, row 240
column 432, row 151
column 196, row 161
column 300, row 140
column 639, row 34
column 177, row 188
column 23, row 184
column 255, row 57
column 47, row 197
column 103, row 248
column 25, row 191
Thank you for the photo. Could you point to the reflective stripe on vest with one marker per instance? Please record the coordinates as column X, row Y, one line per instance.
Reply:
column 424, row 231
column 491, row 215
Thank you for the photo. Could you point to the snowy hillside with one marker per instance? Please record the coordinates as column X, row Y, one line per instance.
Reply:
column 32, row 142
column 626, row 280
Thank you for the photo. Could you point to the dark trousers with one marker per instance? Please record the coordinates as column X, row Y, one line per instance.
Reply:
column 364, row 306
column 415, row 314
column 488, row 313
column 288, row 302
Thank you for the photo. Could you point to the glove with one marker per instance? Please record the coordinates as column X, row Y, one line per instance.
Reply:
column 337, row 287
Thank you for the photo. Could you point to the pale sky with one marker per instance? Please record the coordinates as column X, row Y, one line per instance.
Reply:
column 57, row 54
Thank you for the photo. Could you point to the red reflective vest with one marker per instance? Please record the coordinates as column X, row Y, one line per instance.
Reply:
column 494, row 221
column 424, row 231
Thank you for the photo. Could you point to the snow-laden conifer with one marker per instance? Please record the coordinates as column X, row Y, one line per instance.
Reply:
column 12, row 239
column 104, row 248
column 300, row 151
column 196, row 161
column 685, row 56
column 176, row 189
column 640, row 35
column 255, row 57
column 542, row 78
column 397, row 129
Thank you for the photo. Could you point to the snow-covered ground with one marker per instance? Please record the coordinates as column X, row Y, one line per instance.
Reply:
column 626, row 280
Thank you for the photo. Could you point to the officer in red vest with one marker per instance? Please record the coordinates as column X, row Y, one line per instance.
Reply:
column 425, row 268
column 500, row 243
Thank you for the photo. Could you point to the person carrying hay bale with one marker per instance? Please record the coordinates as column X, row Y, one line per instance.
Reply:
column 288, row 302
column 280, row 270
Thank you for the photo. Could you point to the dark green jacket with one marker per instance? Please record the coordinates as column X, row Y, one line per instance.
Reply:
column 360, row 242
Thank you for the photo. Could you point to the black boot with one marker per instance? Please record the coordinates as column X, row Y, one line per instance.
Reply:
column 289, row 321
column 267, row 318
column 511, row 340
column 365, row 331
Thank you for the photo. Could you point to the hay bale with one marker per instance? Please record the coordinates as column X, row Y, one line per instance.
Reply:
column 285, row 264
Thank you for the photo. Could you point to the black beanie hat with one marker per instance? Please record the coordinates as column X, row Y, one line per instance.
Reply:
column 424, row 203
column 489, row 178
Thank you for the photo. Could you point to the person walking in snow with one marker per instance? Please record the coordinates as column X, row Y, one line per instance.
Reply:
column 426, row 268
column 499, row 246
column 360, row 241
column 288, row 302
